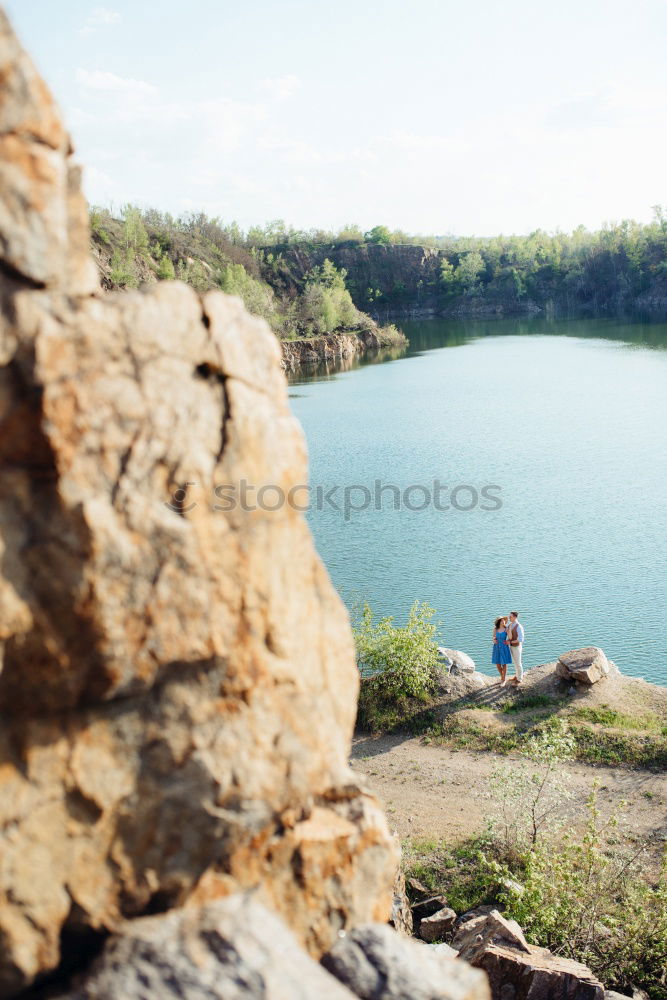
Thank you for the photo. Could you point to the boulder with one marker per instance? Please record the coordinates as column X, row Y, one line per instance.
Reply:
column 376, row 964
column 416, row 886
column 435, row 927
column 489, row 928
column 401, row 914
column 443, row 950
column 234, row 949
column 583, row 666
column 456, row 661
column 478, row 911
column 427, row 907
column 178, row 685
column 520, row 970
column 457, row 685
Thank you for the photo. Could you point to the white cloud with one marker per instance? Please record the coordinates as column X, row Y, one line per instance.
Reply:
column 101, row 80
column 289, row 150
column 585, row 111
column 415, row 144
column 279, row 88
column 100, row 17
column 609, row 107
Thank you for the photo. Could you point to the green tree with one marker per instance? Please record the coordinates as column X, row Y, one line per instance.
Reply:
column 529, row 797
column 165, row 270
column 379, row 234
column 135, row 237
column 122, row 272
column 257, row 297
column 326, row 304
column 468, row 269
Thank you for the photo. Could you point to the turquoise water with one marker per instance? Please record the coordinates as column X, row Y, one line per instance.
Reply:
column 564, row 423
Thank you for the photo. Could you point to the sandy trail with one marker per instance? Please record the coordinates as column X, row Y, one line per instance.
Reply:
column 431, row 791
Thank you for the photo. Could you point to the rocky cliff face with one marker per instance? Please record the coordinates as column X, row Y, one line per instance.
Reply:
column 408, row 276
column 330, row 348
column 178, row 682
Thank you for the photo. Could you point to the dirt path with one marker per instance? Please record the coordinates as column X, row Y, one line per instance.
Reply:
column 431, row 791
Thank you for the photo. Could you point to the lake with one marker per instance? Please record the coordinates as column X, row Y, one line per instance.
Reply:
column 501, row 465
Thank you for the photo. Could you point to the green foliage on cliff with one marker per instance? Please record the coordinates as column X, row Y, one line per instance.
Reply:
column 141, row 247
column 285, row 274
column 586, row 896
column 326, row 302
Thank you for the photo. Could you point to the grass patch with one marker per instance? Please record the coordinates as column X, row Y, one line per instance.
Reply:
column 603, row 715
column 531, row 701
column 595, row 746
column 592, row 746
column 454, row 872
column 465, row 734
column 412, row 715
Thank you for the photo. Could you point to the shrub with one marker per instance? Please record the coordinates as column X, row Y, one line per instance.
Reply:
column 135, row 237
column 194, row 273
column 391, row 336
column 396, row 662
column 257, row 296
column 165, row 270
column 99, row 232
column 326, row 304
column 585, row 898
column 529, row 797
column 123, row 272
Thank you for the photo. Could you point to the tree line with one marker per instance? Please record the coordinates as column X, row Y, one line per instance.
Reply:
column 296, row 279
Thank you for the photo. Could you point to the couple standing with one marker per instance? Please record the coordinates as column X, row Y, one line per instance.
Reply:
column 508, row 647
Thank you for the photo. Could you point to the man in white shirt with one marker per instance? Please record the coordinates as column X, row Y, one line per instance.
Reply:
column 515, row 637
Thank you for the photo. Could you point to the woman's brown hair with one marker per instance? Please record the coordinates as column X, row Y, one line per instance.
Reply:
column 498, row 621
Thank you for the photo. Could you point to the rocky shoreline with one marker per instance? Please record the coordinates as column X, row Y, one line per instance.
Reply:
column 300, row 355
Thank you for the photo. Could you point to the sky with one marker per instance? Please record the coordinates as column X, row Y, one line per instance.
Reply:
column 469, row 117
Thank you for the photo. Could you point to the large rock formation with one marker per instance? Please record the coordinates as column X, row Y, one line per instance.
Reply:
column 375, row 964
column 583, row 666
column 520, row 970
column 178, row 682
column 233, row 949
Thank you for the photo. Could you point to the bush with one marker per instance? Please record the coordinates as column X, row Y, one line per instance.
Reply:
column 396, row 662
column 194, row 273
column 584, row 893
column 98, row 230
column 165, row 269
column 326, row 304
column 123, row 271
column 585, row 898
column 529, row 797
column 257, row 297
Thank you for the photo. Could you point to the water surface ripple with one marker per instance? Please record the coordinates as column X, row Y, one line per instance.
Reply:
column 569, row 420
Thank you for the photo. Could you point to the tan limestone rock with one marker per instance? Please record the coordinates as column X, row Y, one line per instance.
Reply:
column 178, row 682
column 521, row 970
column 583, row 666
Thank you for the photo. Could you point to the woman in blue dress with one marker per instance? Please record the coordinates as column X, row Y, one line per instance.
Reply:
column 501, row 654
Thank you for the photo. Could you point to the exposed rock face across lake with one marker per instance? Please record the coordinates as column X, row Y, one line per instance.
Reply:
column 297, row 354
column 338, row 348
column 178, row 684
